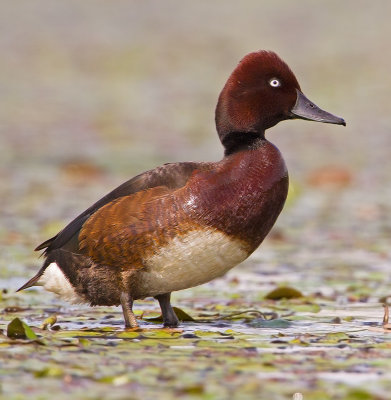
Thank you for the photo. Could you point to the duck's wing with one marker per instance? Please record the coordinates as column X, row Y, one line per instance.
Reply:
column 123, row 232
column 170, row 176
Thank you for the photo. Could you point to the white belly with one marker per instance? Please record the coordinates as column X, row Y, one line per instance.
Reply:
column 190, row 260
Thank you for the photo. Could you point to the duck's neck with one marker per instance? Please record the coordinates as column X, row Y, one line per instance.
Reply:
column 237, row 141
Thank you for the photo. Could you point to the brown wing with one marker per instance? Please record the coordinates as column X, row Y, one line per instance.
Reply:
column 122, row 232
column 173, row 176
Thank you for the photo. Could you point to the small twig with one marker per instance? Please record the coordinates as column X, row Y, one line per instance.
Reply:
column 386, row 314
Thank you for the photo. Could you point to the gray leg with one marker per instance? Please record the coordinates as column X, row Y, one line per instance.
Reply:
column 127, row 305
column 169, row 317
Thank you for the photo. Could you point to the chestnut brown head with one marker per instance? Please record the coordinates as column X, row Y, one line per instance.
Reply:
column 262, row 91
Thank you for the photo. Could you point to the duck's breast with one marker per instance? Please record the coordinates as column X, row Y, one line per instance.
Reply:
column 244, row 196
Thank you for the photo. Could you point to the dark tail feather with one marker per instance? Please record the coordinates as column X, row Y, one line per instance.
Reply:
column 31, row 282
column 45, row 244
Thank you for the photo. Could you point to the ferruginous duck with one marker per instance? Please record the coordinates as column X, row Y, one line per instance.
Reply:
column 183, row 224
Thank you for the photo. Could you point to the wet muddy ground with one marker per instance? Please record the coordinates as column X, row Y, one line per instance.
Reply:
column 92, row 93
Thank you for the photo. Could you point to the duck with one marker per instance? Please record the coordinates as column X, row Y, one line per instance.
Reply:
column 183, row 224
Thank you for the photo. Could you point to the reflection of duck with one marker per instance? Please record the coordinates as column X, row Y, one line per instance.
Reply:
column 184, row 224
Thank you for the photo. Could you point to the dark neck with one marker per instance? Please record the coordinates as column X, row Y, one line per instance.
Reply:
column 237, row 141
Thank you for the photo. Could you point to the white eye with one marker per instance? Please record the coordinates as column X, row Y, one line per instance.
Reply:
column 274, row 82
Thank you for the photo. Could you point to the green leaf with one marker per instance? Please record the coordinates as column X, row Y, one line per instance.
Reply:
column 244, row 314
column 270, row 323
column 182, row 315
column 128, row 335
column 336, row 337
column 50, row 321
column 52, row 371
column 161, row 333
column 210, row 334
column 283, row 292
column 17, row 329
column 78, row 334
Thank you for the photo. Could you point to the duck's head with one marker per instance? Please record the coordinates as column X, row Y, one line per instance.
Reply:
column 261, row 92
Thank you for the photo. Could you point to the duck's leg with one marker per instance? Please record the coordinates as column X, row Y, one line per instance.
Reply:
column 169, row 317
column 127, row 305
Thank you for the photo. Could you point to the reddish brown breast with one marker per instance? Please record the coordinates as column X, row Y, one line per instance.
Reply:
column 243, row 196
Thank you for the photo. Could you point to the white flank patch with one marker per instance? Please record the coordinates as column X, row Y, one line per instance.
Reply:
column 54, row 280
column 190, row 260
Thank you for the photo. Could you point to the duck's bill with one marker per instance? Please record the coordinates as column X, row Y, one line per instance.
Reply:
column 306, row 109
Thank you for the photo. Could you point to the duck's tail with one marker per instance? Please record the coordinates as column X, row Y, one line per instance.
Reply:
column 34, row 280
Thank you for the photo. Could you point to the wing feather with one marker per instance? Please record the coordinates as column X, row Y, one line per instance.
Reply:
column 126, row 229
column 172, row 176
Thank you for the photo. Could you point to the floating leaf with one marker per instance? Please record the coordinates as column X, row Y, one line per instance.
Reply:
column 182, row 316
column 17, row 329
column 84, row 342
column 336, row 337
column 242, row 314
column 283, row 292
column 52, row 371
column 50, row 321
column 299, row 341
column 211, row 334
column 161, row 333
column 78, row 334
column 272, row 323
column 115, row 380
column 159, row 342
column 209, row 343
column 128, row 335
